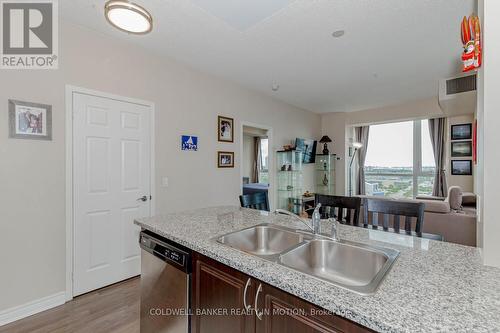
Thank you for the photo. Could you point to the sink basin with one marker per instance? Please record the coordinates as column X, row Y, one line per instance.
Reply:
column 263, row 240
column 354, row 266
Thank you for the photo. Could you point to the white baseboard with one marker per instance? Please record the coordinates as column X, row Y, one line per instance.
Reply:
column 31, row 308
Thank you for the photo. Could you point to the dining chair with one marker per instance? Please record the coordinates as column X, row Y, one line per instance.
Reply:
column 345, row 209
column 259, row 201
column 377, row 214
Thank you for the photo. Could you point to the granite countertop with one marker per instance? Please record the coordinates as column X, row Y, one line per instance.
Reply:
column 432, row 287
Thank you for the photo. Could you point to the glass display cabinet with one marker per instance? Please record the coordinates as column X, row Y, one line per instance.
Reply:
column 325, row 174
column 290, row 180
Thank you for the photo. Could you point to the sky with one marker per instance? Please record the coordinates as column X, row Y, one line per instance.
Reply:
column 391, row 145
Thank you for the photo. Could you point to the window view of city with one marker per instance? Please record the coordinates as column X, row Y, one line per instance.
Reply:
column 390, row 159
column 397, row 182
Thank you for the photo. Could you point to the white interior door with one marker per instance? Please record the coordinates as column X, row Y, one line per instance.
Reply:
column 111, row 184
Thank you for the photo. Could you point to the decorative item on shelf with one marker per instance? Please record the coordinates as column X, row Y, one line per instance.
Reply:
column 289, row 168
column 225, row 129
column 283, row 167
column 325, row 180
column 288, row 147
column 30, row 120
column 461, row 132
column 308, row 194
column 325, row 140
column 225, row 159
column 471, row 40
column 189, row 143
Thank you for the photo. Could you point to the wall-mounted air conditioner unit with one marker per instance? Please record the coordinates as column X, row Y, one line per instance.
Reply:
column 458, row 95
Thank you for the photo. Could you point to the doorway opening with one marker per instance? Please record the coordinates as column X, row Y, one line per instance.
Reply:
column 256, row 158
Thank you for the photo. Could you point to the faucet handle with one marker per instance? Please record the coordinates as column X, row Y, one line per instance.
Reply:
column 335, row 228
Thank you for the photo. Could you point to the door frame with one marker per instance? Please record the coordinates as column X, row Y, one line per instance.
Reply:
column 271, row 191
column 70, row 90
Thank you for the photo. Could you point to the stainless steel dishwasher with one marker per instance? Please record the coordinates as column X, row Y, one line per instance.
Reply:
column 165, row 285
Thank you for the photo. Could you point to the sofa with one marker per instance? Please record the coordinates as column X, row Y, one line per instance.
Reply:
column 453, row 217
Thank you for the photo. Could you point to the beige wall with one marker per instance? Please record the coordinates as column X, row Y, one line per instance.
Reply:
column 32, row 173
column 339, row 127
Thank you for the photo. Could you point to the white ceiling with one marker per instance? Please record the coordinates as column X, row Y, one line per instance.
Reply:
column 392, row 51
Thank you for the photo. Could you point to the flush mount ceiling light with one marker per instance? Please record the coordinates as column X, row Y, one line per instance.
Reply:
column 128, row 17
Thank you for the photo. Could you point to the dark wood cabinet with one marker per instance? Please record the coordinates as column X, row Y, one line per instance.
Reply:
column 226, row 300
column 219, row 296
column 280, row 312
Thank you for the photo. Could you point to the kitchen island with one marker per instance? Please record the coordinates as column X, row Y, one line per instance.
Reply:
column 432, row 287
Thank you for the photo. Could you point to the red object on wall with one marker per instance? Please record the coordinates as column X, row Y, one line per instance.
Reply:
column 474, row 142
column 470, row 30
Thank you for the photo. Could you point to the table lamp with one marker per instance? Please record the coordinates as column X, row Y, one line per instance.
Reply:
column 325, row 140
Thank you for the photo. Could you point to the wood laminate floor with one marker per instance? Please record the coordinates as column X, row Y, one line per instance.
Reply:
column 111, row 309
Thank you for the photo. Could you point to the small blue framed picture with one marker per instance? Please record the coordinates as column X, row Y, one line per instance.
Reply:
column 189, row 143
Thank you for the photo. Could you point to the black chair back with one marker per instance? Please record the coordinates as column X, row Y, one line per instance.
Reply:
column 259, row 201
column 344, row 209
column 398, row 209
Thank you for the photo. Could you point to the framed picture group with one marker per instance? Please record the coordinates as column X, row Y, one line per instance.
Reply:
column 225, row 134
column 461, row 147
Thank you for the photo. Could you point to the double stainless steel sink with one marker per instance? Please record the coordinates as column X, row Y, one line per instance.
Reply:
column 354, row 266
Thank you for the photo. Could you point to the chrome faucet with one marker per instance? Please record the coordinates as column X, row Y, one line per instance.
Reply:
column 316, row 220
column 315, row 226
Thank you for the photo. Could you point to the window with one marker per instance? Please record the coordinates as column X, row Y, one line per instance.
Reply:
column 264, row 161
column 400, row 161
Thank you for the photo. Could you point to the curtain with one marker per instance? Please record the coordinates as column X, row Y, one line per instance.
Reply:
column 256, row 160
column 437, row 129
column 362, row 134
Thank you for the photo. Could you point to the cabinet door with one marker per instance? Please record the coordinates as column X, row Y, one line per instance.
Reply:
column 218, row 298
column 280, row 312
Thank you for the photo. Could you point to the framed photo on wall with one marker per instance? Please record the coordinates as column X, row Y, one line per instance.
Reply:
column 30, row 120
column 461, row 149
column 461, row 167
column 461, row 132
column 225, row 129
column 225, row 159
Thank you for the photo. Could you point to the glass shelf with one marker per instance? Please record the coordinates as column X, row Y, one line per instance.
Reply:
column 325, row 174
column 290, row 182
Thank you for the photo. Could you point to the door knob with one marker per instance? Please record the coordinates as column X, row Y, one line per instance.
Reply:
column 143, row 198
